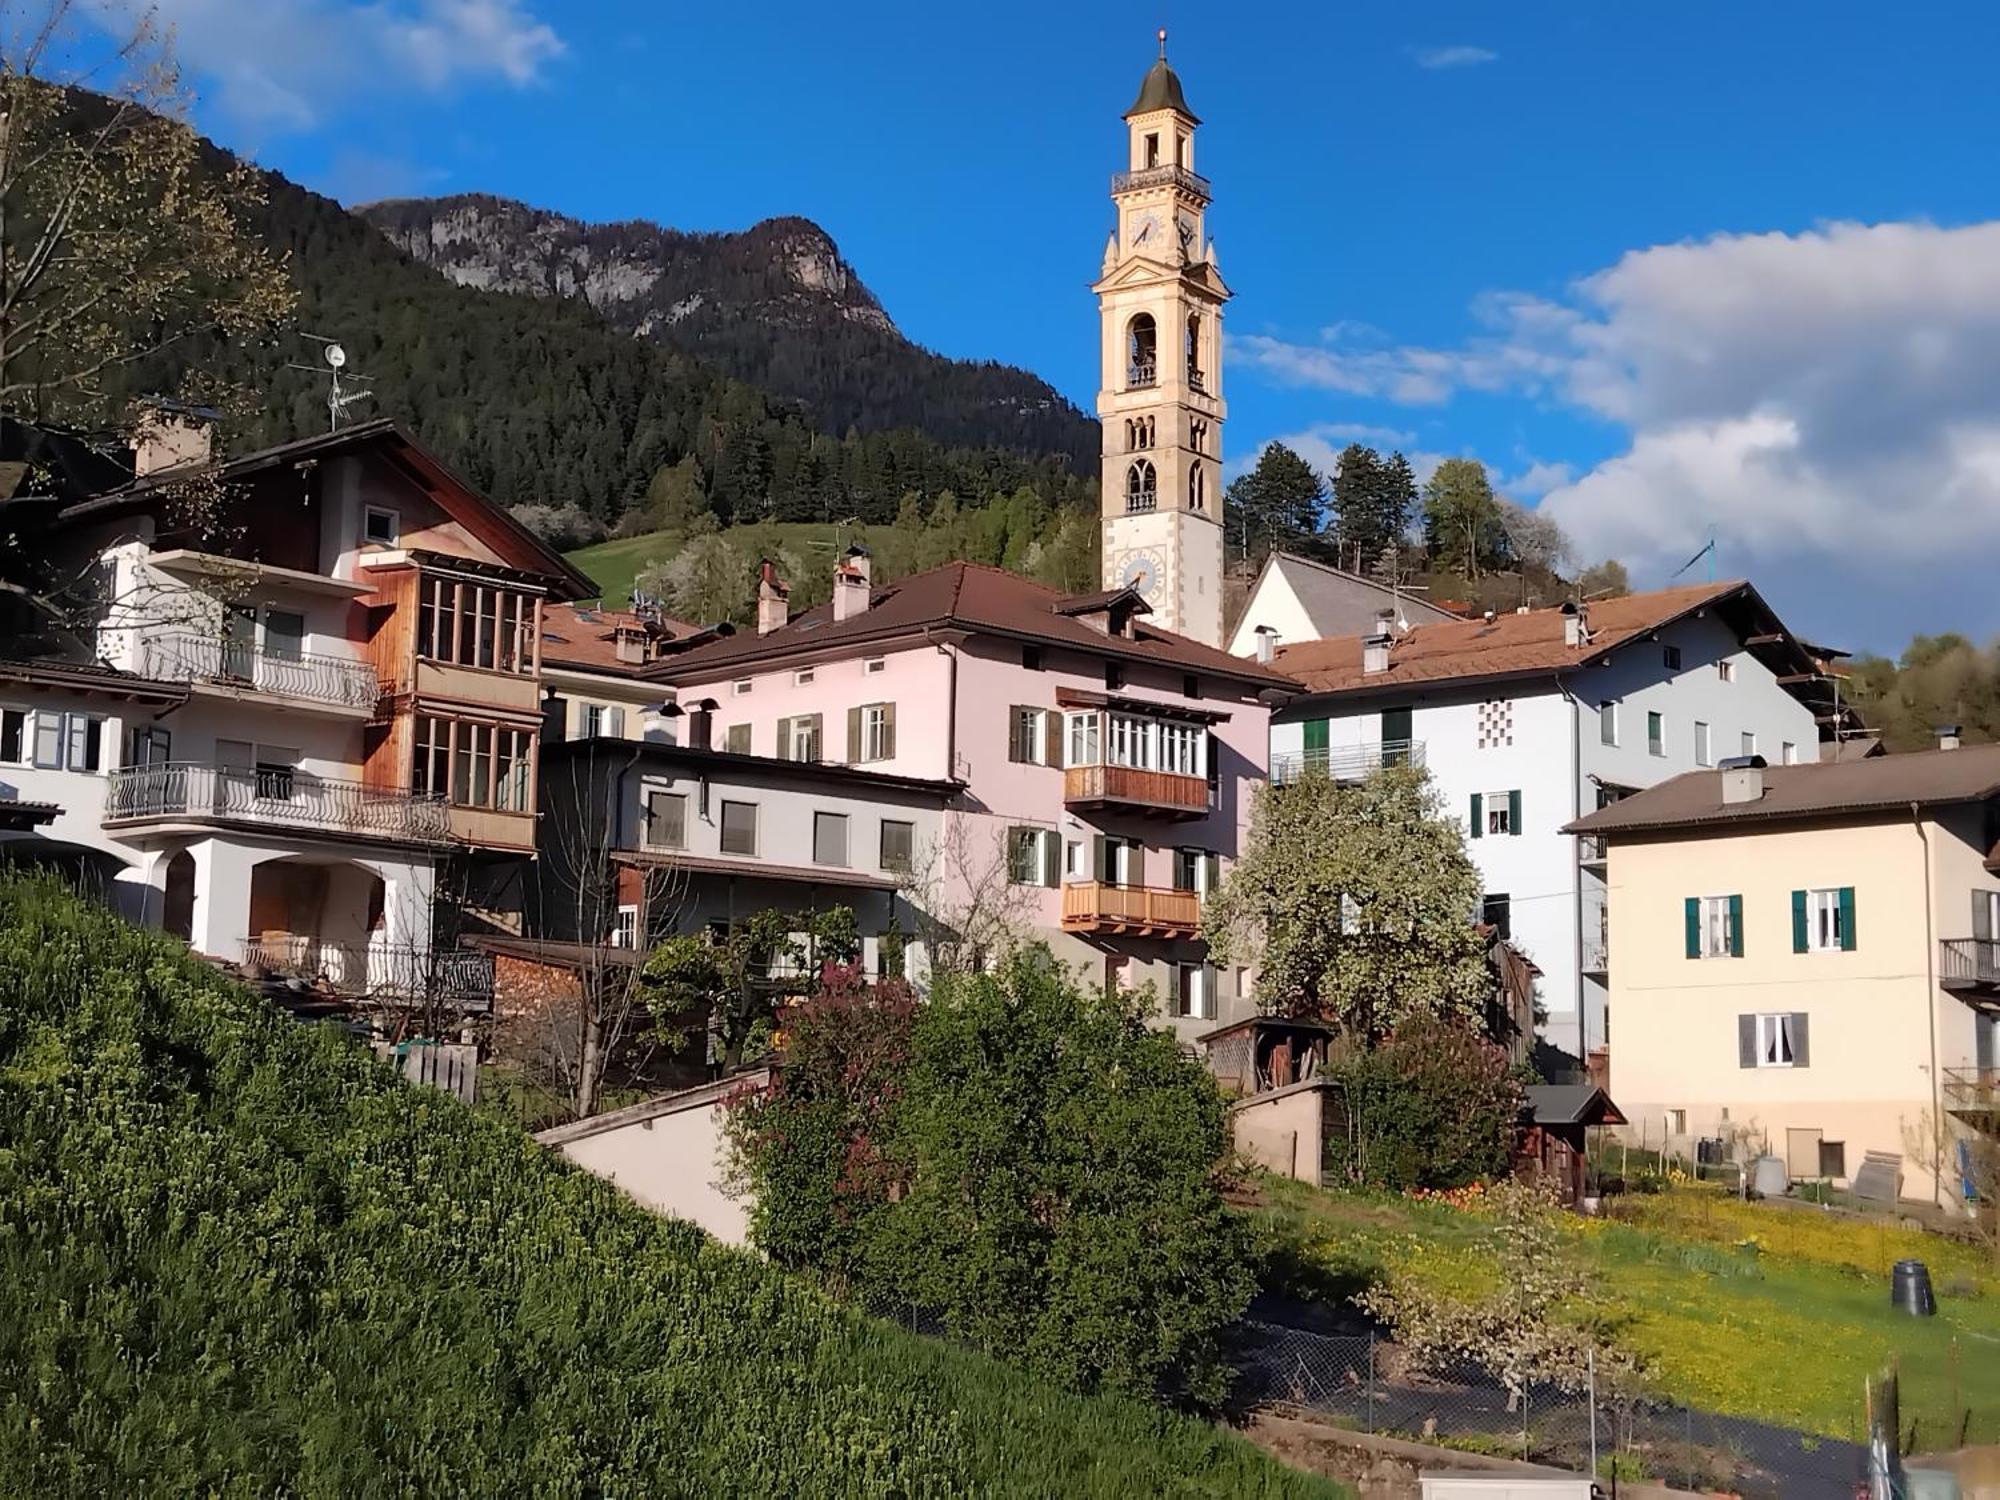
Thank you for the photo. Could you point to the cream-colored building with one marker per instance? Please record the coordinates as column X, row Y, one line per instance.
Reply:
column 1805, row 960
column 1160, row 302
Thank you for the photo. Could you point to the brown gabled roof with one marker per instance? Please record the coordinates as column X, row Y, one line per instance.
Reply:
column 1828, row 788
column 1529, row 644
column 960, row 596
column 93, row 677
column 586, row 636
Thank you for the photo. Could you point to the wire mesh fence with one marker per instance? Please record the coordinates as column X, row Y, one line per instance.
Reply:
column 1376, row 1387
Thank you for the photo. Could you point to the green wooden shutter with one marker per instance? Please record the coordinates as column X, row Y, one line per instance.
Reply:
column 1694, row 927
column 1478, row 816
column 1735, row 926
column 1514, row 813
column 1316, row 736
column 1801, row 938
column 1847, row 918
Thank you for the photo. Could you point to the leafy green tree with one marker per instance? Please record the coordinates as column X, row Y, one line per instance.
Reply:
column 1355, row 901
column 674, row 496
column 1435, row 1106
column 1605, row 580
column 1277, row 505
column 1041, row 1176
column 1462, row 518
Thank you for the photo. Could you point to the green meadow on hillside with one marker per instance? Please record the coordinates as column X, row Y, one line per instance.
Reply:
column 238, row 1257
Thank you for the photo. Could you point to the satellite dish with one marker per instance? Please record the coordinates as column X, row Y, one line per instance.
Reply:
column 335, row 355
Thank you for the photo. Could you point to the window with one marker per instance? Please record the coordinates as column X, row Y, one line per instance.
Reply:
column 736, row 739
column 740, row 686
column 284, row 634
column 1197, row 488
column 739, row 828
column 799, row 737
column 1031, row 737
column 63, row 742
column 1033, row 856
column 1672, row 656
column 1114, row 674
column 1677, row 1122
column 1656, row 735
column 381, row 526
column 1714, row 926
column 625, row 930
column 1746, row 743
column 1702, row 757
column 898, row 844
column 1190, row 686
column 666, row 820
column 829, row 838
column 1823, row 920
column 871, row 731
column 1607, row 723
column 1031, row 658
column 473, row 764
column 13, row 735
column 1073, row 865
column 1194, row 992
column 1142, row 486
column 472, row 625
column 873, row 665
column 1772, row 1040
column 1725, row 670
column 1197, row 870
column 1788, row 753
column 1497, row 912
column 1084, row 738
column 803, row 677
column 602, row 719
column 1198, row 435
column 1496, row 814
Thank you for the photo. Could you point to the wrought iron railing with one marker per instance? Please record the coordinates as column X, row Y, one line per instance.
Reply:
column 1346, row 762
column 460, row 977
column 1145, row 177
column 278, row 796
column 186, row 657
column 1972, row 1089
column 1969, row 960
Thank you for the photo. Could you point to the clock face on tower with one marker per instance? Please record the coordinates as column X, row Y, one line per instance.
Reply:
column 1142, row 573
column 1147, row 231
column 1185, row 225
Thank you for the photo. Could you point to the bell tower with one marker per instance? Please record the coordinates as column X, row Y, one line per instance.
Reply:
column 1159, row 301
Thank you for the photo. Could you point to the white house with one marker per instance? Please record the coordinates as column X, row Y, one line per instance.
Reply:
column 1299, row 599
column 1528, row 720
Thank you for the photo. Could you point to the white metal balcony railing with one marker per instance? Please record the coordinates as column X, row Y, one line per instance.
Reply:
column 1966, row 962
column 279, row 796
column 186, row 657
column 1346, row 762
column 459, row 977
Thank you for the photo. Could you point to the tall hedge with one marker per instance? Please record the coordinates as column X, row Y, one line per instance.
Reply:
column 237, row 1257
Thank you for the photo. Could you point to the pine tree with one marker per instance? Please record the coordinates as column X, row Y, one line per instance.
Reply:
column 1278, row 504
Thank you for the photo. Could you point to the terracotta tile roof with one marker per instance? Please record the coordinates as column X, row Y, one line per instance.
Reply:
column 584, row 635
column 1827, row 788
column 964, row 596
column 1506, row 646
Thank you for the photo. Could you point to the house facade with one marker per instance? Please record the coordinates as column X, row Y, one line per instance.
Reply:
column 1104, row 767
column 1806, row 959
column 332, row 649
column 1298, row 599
column 1527, row 721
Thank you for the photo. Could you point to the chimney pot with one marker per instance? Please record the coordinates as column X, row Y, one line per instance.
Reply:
column 774, row 605
column 853, row 584
column 1267, row 645
column 169, row 435
column 1375, row 654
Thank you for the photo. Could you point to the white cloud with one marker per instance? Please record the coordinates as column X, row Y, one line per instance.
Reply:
column 1537, row 478
column 1320, row 445
column 1826, row 402
column 292, row 64
column 1454, row 57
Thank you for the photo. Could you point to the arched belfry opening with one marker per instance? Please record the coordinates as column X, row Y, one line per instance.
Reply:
column 1142, row 486
column 1142, row 352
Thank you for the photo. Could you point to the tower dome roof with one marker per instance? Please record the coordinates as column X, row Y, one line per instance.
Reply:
column 1161, row 90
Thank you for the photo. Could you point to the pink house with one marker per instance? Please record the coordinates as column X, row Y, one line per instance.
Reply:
column 1106, row 766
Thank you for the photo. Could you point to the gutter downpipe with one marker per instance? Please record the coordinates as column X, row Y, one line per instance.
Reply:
column 1576, row 873
column 1930, row 1012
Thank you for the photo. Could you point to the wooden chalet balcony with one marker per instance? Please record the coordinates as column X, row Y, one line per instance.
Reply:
column 281, row 799
column 1129, row 910
column 1155, row 793
column 1969, row 963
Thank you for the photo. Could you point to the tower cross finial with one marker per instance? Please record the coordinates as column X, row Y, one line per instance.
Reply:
column 1163, row 44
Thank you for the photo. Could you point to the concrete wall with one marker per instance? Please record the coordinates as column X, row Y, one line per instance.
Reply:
column 1871, row 1074
column 1283, row 1131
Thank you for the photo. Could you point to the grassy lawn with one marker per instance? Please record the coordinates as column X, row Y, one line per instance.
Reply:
column 614, row 565
column 1744, row 1309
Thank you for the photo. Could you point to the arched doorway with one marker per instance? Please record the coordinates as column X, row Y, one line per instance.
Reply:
column 177, row 914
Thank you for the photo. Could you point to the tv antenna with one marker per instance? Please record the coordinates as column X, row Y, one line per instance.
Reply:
column 337, row 398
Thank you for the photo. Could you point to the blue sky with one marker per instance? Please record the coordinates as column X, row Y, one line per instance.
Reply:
column 1666, row 268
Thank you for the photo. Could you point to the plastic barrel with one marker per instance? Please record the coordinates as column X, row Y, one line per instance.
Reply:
column 1910, row 1289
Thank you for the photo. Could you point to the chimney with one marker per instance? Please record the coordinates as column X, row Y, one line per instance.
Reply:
column 1742, row 779
column 631, row 645
column 773, row 598
column 170, row 435
column 1267, row 645
column 1947, row 736
column 1375, row 653
column 852, row 584
column 1576, row 624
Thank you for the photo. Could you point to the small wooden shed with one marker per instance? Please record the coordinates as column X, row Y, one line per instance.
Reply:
column 1263, row 1053
column 1556, row 1119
